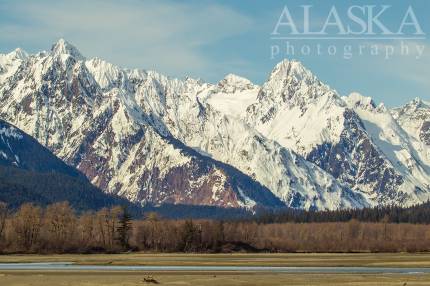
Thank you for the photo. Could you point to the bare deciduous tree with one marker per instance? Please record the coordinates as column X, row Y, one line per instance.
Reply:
column 107, row 224
column 60, row 222
column 3, row 215
column 27, row 223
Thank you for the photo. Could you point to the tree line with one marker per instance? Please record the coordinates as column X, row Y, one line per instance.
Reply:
column 57, row 228
column 417, row 214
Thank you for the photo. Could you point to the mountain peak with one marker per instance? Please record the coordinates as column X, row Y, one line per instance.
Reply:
column 356, row 99
column 235, row 78
column 292, row 73
column 18, row 53
column 62, row 47
column 289, row 68
column 291, row 81
column 418, row 102
column 414, row 105
column 233, row 82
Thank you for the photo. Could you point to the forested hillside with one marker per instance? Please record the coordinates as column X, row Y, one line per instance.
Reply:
column 31, row 173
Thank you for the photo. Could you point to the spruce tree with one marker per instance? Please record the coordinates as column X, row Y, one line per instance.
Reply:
column 124, row 228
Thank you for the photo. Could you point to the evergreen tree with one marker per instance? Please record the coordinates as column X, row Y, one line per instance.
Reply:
column 124, row 228
column 191, row 237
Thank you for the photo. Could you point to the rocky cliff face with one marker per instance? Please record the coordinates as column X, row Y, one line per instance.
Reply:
column 414, row 118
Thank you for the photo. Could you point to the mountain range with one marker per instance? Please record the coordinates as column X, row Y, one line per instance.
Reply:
column 291, row 142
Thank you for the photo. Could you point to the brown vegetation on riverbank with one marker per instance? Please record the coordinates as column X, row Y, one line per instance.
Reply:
column 57, row 229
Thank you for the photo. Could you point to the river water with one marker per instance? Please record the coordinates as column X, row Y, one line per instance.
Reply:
column 65, row 266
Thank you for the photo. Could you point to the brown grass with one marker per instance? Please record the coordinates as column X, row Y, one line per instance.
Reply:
column 20, row 278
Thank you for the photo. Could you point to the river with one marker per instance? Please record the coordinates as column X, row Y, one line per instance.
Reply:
column 69, row 266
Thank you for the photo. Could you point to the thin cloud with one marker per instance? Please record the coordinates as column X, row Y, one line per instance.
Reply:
column 409, row 67
column 166, row 36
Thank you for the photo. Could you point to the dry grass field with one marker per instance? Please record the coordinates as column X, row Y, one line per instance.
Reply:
column 82, row 278
column 131, row 278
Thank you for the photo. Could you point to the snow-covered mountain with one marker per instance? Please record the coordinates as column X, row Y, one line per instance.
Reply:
column 293, row 141
column 414, row 118
column 103, row 131
column 344, row 136
column 395, row 144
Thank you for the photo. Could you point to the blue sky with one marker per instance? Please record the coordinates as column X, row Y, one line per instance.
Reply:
column 209, row 39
